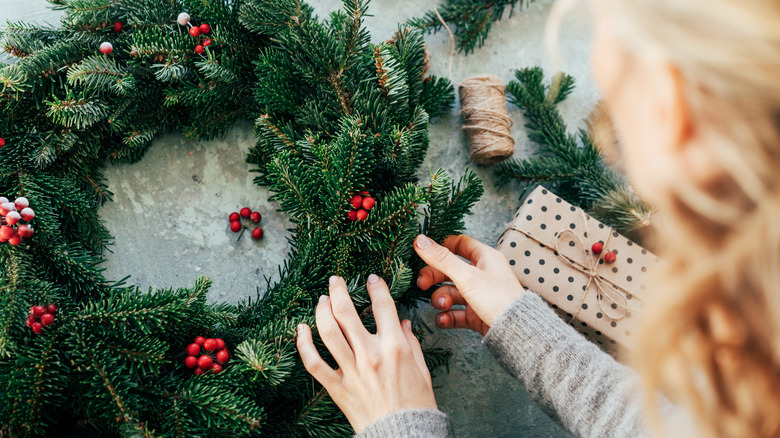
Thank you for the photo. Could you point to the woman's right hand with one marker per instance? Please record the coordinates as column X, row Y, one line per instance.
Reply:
column 486, row 287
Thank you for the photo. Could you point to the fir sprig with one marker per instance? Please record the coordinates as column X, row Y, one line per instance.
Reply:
column 569, row 165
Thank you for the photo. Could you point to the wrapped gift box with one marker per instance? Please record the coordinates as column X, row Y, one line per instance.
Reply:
column 548, row 245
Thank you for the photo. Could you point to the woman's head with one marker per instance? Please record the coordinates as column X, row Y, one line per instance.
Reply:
column 694, row 89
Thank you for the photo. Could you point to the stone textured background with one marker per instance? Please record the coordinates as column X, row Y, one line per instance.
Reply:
column 169, row 211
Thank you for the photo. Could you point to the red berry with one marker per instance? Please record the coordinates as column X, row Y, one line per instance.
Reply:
column 47, row 319
column 38, row 311
column 610, row 257
column 21, row 203
column 235, row 226
column 27, row 214
column 205, row 29
column 193, row 349
column 425, row 81
column 204, row 362
column 198, row 49
column 118, row 27
column 6, row 232
column 106, row 48
column 361, row 215
column 51, row 308
column 368, row 203
column 220, row 344
column 15, row 240
column 223, row 356
column 216, row 368
column 364, row 193
column 200, row 340
column 255, row 216
column 356, row 201
column 12, row 217
column 210, row 344
column 30, row 320
column 246, row 212
column 191, row 362
column 352, row 215
column 234, row 217
column 597, row 248
column 23, row 230
column 195, row 31
column 257, row 233
column 2, row 142
column 199, row 371
column 37, row 328
column 206, row 42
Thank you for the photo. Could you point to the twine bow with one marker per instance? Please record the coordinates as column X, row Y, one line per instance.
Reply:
column 589, row 266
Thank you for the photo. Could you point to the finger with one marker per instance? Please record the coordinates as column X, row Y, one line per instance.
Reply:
column 345, row 313
column 469, row 248
column 414, row 343
column 447, row 296
column 332, row 335
column 429, row 276
column 467, row 319
column 312, row 360
column 383, row 306
column 443, row 260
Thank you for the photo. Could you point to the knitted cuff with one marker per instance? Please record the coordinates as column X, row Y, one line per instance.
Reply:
column 410, row 423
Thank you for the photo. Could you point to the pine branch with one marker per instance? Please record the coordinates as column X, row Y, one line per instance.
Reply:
column 570, row 166
column 471, row 20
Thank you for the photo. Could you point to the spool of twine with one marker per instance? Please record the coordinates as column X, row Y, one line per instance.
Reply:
column 486, row 120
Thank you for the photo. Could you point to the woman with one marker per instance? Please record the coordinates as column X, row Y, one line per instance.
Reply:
column 694, row 89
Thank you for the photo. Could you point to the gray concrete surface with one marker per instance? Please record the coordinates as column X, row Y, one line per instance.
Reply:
column 170, row 209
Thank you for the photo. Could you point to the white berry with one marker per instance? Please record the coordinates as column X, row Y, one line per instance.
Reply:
column 106, row 48
column 27, row 214
column 12, row 217
column 183, row 18
column 21, row 202
column 8, row 206
column 3, row 199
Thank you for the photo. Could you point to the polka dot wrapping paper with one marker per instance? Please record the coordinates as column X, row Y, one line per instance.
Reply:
column 548, row 246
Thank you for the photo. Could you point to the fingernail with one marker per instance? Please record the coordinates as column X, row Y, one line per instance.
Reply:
column 323, row 298
column 300, row 328
column 333, row 279
column 373, row 278
column 408, row 324
column 423, row 241
column 439, row 318
column 440, row 302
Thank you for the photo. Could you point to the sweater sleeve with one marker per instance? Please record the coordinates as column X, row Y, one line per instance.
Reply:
column 590, row 393
column 410, row 423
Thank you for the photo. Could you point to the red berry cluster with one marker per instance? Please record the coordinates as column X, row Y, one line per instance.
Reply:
column 609, row 256
column 236, row 224
column 11, row 213
column 361, row 203
column 199, row 355
column 40, row 317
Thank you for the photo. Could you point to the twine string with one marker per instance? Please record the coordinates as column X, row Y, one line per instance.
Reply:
column 483, row 107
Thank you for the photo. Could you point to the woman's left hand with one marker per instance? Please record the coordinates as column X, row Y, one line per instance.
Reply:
column 377, row 374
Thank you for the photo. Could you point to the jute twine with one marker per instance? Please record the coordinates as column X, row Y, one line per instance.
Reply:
column 486, row 120
column 483, row 107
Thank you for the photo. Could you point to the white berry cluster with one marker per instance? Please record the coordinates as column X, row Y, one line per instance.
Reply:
column 11, row 216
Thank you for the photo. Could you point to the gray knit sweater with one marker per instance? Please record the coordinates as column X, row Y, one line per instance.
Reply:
column 576, row 383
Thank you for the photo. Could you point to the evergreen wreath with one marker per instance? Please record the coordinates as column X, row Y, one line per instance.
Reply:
column 335, row 115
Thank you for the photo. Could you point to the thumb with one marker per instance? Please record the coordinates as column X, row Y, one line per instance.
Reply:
column 443, row 260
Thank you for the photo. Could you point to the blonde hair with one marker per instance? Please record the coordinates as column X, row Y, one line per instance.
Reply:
column 711, row 333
